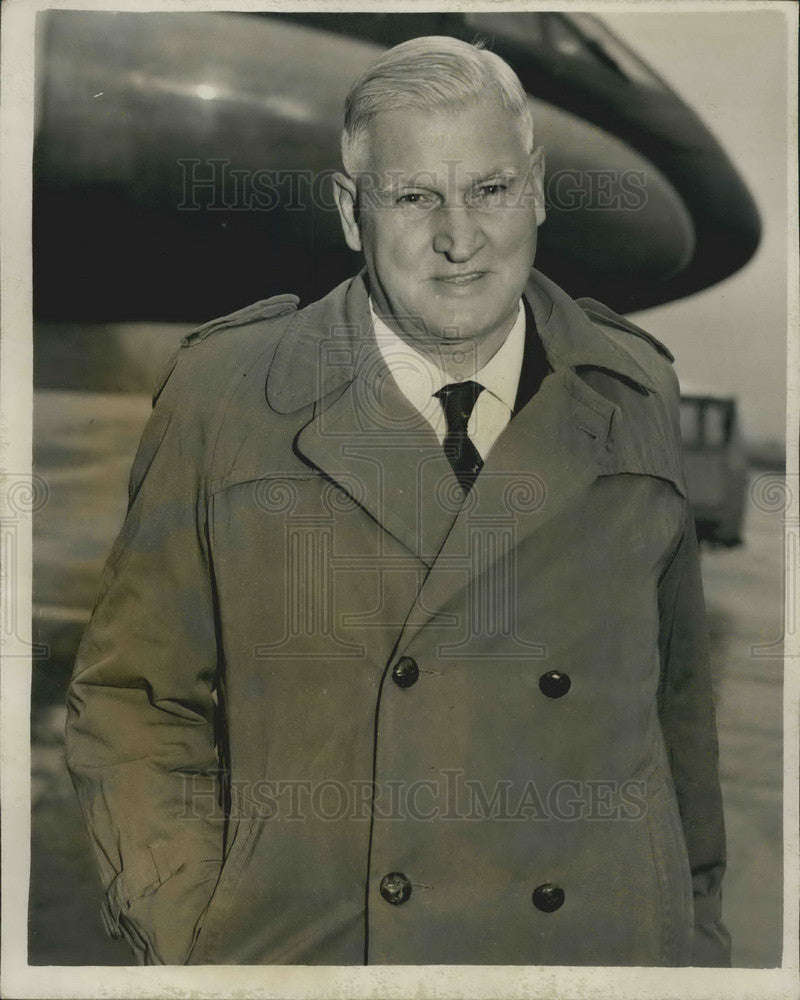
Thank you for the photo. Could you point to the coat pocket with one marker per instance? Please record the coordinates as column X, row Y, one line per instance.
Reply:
column 214, row 923
column 673, row 874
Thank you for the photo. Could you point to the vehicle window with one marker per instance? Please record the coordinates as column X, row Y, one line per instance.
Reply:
column 714, row 425
column 577, row 36
column 599, row 37
column 689, row 422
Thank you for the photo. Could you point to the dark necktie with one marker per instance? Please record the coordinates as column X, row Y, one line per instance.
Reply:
column 458, row 400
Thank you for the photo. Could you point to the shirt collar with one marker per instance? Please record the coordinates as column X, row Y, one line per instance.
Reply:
column 500, row 374
column 418, row 377
column 301, row 371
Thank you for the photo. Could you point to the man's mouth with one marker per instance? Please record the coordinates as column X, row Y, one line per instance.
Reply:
column 465, row 278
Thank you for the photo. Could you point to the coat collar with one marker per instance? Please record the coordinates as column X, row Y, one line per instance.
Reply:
column 364, row 435
column 329, row 343
column 322, row 348
column 572, row 340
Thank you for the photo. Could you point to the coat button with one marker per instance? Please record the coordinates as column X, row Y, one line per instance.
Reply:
column 395, row 888
column 554, row 684
column 548, row 897
column 405, row 672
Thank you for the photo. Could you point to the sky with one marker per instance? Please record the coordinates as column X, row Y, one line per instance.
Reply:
column 731, row 68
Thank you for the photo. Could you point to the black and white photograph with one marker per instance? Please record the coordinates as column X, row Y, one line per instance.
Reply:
column 399, row 500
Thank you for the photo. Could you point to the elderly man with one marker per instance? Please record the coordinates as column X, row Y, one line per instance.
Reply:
column 400, row 654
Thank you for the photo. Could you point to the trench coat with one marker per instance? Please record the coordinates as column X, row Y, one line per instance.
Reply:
column 330, row 711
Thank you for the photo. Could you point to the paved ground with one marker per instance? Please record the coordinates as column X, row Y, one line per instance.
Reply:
column 84, row 448
column 744, row 595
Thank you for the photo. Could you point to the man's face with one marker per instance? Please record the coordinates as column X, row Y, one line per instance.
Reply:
column 446, row 217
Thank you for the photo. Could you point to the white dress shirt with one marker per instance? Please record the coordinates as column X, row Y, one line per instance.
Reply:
column 418, row 378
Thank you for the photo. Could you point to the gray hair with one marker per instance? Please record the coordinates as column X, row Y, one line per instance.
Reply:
column 429, row 73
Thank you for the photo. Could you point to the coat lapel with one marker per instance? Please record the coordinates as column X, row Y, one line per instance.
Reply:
column 364, row 435
column 378, row 448
column 549, row 454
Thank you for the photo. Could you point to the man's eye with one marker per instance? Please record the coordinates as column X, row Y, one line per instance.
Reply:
column 416, row 198
column 492, row 192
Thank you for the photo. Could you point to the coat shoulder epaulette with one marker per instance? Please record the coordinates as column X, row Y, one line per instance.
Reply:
column 263, row 309
column 602, row 314
column 278, row 305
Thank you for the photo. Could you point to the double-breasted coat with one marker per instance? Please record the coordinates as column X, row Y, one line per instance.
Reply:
column 328, row 710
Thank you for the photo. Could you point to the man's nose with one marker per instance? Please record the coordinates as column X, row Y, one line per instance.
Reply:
column 457, row 233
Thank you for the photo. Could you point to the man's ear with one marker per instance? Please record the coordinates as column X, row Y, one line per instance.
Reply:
column 346, row 194
column 537, row 174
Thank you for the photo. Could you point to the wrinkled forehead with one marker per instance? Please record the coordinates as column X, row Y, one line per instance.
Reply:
column 447, row 145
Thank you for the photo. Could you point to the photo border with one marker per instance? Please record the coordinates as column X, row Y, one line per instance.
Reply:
column 21, row 980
